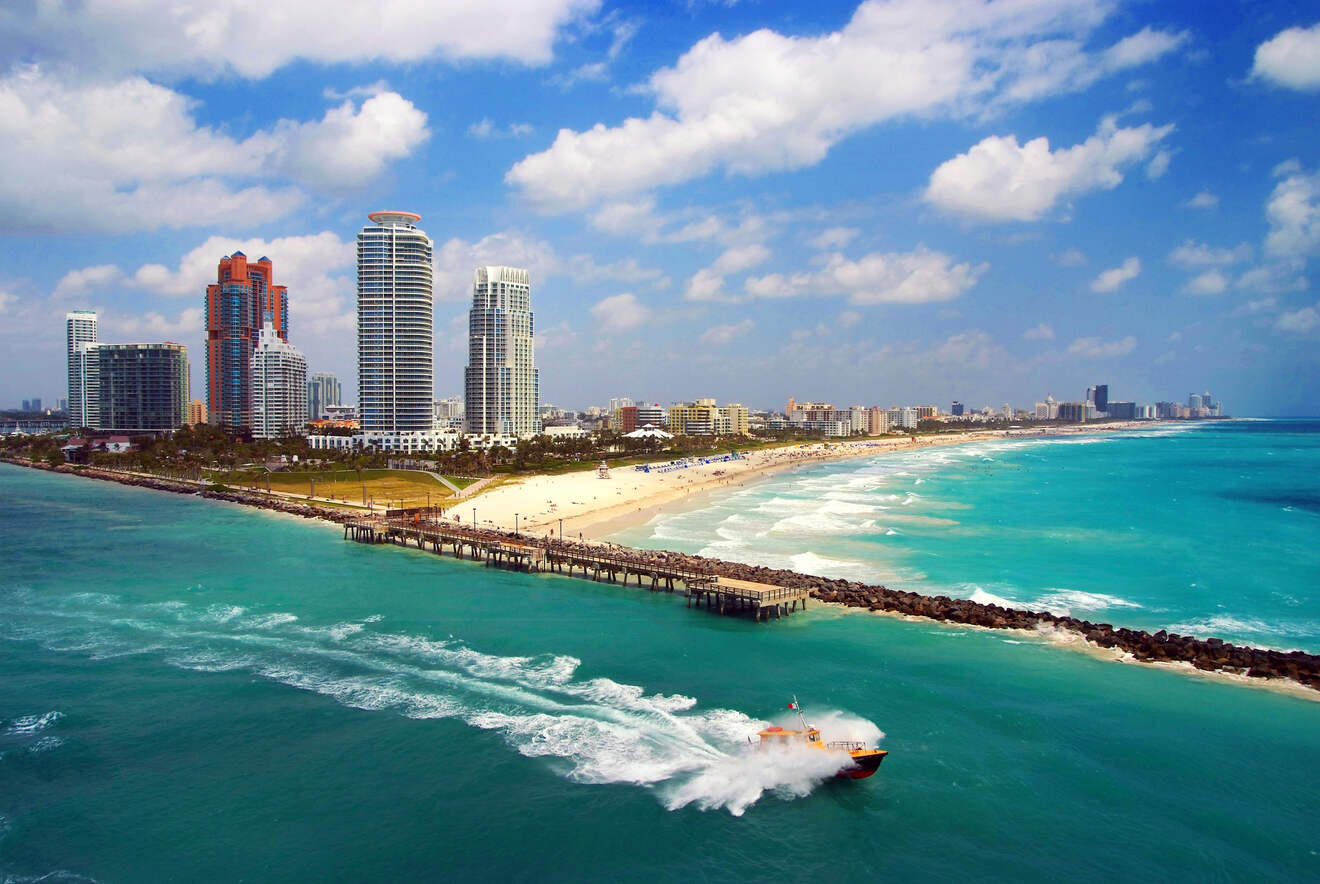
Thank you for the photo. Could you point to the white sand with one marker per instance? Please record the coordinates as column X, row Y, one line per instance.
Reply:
column 594, row 507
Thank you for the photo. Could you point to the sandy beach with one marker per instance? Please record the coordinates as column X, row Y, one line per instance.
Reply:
column 591, row 507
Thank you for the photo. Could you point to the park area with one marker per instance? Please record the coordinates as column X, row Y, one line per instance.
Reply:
column 382, row 487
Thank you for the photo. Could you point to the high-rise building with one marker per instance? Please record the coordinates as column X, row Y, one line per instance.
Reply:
column 1073, row 412
column 36, row 404
column 1101, row 397
column 143, row 387
column 237, row 305
column 279, row 386
column 79, row 329
column 501, row 384
column 395, row 357
column 957, row 409
column 323, row 390
column 196, row 412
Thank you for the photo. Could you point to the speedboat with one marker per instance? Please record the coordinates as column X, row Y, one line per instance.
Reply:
column 865, row 760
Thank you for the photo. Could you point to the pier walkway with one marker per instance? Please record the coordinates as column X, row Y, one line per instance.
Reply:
column 423, row 527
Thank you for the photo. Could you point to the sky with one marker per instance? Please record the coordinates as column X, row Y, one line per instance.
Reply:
column 897, row 201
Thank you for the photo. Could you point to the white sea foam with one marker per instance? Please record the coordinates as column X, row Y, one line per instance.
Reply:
column 45, row 744
column 593, row 729
column 1063, row 602
column 824, row 566
column 270, row 621
column 980, row 596
column 31, row 724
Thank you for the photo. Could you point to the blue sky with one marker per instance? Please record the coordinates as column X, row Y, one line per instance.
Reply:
column 878, row 203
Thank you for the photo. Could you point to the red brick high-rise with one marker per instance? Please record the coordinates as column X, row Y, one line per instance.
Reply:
column 236, row 304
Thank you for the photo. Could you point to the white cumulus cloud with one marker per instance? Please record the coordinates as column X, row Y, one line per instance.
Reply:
column 1001, row 180
column 1192, row 254
column 723, row 334
column 1212, row 282
column 1291, row 58
column 1114, row 277
column 252, row 39
column 129, row 155
column 1293, row 212
column 916, row 277
column 620, row 312
column 1042, row 332
column 1203, row 200
column 1094, row 348
column 1298, row 321
column 767, row 101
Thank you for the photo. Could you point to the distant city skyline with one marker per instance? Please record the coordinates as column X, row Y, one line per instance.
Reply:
column 730, row 200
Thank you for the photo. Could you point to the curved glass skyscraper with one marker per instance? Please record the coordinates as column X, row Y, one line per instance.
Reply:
column 395, row 359
column 501, row 383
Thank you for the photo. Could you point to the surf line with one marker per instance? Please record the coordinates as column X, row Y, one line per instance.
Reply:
column 1207, row 654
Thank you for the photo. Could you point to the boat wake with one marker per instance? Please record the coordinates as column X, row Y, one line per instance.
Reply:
column 592, row 730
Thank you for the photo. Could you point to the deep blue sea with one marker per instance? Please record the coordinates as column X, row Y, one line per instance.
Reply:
column 1204, row 529
column 193, row 691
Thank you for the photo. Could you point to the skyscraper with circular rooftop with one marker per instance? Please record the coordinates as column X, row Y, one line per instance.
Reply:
column 395, row 349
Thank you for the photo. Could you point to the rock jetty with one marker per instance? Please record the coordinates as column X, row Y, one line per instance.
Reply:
column 1206, row 654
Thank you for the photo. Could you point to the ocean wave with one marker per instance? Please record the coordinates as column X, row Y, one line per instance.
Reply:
column 45, row 744
column 31, row 724
column 600, row 730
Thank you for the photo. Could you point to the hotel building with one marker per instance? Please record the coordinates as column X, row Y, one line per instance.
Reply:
column 279, row 386
column 502, row 387
column 143, row 388
column 323, row 390
column 80, row 329
column 237, row 305
column 395, row 349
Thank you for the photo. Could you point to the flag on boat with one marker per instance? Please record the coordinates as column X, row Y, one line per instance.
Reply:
column 792, row 705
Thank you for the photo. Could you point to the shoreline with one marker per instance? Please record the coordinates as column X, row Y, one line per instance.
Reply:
column 579, row 500
column 1209, row 656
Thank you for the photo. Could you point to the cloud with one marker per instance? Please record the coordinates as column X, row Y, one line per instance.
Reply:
column 1042, row 332
column 1298, row 321
column 77, row 282
column 1203, row 200
column 1000, row 180
column 153, row 326
column 916, row 277
column 350, row 146
column 707, row 284
column 1159, row 165
column 833, row 238
column 1114, row 277
column 128, row 155
column 620, row 312
column 847, row 318
column 5, row 300
column 766, row 101
column 1192, row 254
column 255, row 39
column 457, row 259
column 485, row 128
column 1293, row 212
column 724, row 334
column 1212, row 282
column 1069, row 258
column 1094, row 348
column 1291, row 59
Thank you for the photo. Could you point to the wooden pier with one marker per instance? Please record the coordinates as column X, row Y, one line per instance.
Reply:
column 723, row 594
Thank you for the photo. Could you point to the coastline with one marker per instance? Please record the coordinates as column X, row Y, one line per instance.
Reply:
column 1209, row 656
column 581, row 501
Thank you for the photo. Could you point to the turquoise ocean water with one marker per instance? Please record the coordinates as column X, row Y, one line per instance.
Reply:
column 1207, row 529
column 195, row 691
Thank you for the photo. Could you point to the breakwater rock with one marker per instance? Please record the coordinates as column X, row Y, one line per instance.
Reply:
column 1206, row 654
column 179, row 486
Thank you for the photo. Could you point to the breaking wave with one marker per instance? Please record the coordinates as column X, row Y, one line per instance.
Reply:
column 598, row 730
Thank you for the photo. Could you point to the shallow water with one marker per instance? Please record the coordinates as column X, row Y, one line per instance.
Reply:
column 1206, row 529
column 197, row 691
